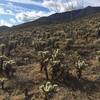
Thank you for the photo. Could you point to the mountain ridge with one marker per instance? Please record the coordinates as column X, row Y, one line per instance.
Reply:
column 63, row 17
column 56, row 18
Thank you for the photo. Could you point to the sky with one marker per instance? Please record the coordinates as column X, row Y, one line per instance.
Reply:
column 14, row 12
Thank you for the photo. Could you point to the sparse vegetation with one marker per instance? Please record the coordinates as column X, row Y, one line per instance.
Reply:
column 61, row 55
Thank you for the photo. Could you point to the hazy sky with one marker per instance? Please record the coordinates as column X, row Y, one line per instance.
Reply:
column 13, row 12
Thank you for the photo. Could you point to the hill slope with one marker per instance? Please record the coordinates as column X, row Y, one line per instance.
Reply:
column 24, row 44
column 64, row 17
column 4, row 28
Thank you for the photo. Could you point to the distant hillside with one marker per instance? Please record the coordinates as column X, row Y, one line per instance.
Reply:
column 63, row 17
column 4, row 28
column 58, row 18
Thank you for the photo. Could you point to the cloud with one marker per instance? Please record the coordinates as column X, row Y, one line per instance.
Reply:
column 5, row 23
column 5, row 11
column 52, row 5
column 61, row 6
column 31, row 15
column 12, row 8
column 27, row 2
column 91, row 3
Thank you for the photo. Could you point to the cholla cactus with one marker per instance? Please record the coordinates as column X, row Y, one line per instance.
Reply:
column 98, row 56
column 43, row 54
column 2, row 59
column 58, row 54
column 48, row 88
column 2, row 81
column 44, row 65
column 55, row 62
column 9, row 71
column 11, row 62
column 80, row 66
column 2, row 47
column 98, row 52
column 76, row 55
column 55, row 53
column 55, row 66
